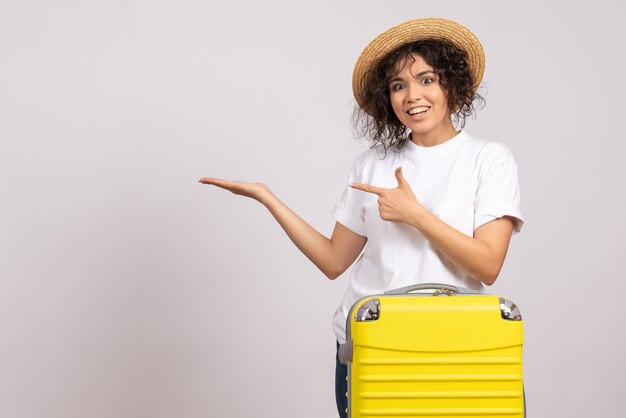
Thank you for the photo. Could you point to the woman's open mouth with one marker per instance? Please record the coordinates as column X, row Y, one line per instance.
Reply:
column 417, row 112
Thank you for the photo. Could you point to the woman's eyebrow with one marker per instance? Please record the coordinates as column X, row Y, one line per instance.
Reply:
column 398, row 78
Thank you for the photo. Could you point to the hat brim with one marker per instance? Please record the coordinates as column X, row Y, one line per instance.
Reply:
column 417, row 30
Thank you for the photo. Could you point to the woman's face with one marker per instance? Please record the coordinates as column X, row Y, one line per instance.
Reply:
column 419, row 102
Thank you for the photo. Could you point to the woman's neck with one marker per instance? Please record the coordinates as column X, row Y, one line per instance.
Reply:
column 434, row 137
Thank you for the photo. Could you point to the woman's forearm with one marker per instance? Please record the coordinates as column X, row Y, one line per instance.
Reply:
column 482, row 260
column 315, row 246
column 480, row 257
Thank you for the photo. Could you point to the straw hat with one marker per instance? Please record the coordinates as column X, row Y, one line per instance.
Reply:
column 417, row 30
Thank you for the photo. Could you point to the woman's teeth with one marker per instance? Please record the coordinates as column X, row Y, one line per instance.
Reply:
column 417, row 110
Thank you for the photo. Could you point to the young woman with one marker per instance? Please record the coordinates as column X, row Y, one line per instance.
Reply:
column 442, row 205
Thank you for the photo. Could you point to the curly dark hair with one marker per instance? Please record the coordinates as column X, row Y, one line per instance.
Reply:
column 376, row 120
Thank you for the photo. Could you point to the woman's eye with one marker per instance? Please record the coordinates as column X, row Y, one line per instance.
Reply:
column 428, row 80
column 397, row 87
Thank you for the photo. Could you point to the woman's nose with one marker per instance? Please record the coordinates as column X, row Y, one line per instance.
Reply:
column 414, row 92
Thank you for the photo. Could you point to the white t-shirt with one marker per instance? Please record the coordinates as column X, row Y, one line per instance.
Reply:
column 465, row 181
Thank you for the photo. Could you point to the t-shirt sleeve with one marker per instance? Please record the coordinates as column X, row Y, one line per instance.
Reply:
column 498, row 191
column 349, row 211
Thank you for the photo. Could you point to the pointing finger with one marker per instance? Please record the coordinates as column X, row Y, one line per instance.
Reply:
column 367, row 188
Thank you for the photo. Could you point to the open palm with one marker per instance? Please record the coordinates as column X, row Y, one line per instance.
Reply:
column 253, row 190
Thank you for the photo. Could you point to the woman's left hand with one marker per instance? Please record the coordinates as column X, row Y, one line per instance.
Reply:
column 480, row 256
column 397, row 205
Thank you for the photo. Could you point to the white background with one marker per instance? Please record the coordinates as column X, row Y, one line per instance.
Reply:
column 128, row 289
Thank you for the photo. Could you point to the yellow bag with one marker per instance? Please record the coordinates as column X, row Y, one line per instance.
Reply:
column 414, row 355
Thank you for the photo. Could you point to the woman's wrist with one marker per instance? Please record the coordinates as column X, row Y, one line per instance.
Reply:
column 265, row 195
column 419, row 216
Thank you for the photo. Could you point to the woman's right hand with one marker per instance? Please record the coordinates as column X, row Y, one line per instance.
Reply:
column 332, row 256
column 257, row 191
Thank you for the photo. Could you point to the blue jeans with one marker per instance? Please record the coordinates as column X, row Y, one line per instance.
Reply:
column 341, row 386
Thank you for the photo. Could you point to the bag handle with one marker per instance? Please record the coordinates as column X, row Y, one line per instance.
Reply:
column 437, row 287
